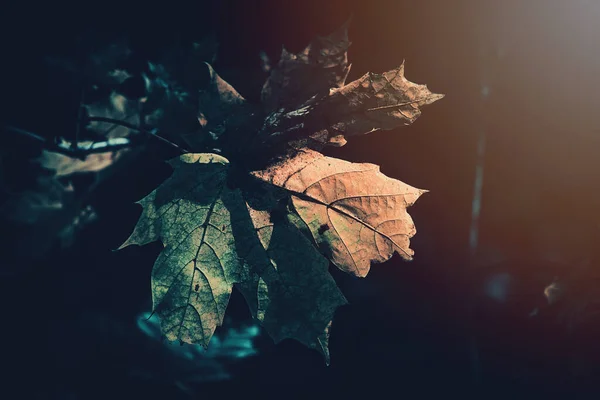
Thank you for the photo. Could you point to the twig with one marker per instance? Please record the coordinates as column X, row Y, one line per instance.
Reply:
column 136, row 128
column 26, row 133
column 79, row 151
column 76, row 151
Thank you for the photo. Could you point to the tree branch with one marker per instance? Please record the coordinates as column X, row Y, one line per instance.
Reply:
column 138, row 129
column 76, row 150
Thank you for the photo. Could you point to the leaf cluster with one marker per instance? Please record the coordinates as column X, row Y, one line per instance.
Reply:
column 254, row 204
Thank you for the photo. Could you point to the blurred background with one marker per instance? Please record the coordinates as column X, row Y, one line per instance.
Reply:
column 502, row 294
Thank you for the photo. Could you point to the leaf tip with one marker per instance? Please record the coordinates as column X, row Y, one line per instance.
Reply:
column 412, row 197
column 122, row 246
column 341, row 33
column 436, row 97
column 211, row 70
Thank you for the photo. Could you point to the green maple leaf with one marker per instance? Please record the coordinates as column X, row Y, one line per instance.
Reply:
column 290, row 291
column 268, row 214
column 191, row 214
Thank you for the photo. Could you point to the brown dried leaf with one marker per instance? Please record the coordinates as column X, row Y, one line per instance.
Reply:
column 373, row 102
column 356, row 214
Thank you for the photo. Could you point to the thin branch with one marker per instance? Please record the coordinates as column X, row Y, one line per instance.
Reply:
column 136, row 128
column 30, row 135
column 78, row 151
column 115, row 126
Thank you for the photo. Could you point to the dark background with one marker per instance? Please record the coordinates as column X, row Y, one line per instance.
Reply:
column 410, row 326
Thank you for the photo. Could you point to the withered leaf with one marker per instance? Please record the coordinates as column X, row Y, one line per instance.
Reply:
column 371, row 103
column 365, row 210
column 377, row 101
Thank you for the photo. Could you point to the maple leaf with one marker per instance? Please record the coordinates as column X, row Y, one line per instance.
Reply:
column 210, row 237
column 375, row 101
column 371, row 103
column 354, row 212
column 309, row 105
column 193, row 276
column 269, row 230
column 291, row 291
